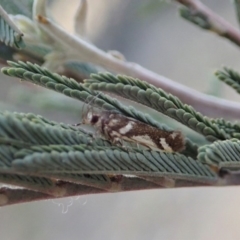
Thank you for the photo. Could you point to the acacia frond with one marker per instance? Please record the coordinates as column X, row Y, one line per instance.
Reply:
column 195, row 17
column 156, row 98
column 41, row 76
column 232, row 128
column 54, row 150
column 23, row 130
column 98, row 160
column 41, row 184
column 221, row 154
column 26, row 136
column 30, row 133
column 36, row 74
column 230, row 77
column 9, row 33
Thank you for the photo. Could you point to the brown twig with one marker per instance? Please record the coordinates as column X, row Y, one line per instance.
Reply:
column 9, row 196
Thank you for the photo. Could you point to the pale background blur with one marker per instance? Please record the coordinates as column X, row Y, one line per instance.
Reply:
column 161, row 41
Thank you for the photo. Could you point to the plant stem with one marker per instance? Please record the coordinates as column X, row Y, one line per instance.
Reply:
column 217, row 24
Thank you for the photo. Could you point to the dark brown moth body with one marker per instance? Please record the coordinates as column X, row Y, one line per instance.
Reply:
column 116, row 127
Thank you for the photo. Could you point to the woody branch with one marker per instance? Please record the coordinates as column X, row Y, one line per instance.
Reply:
column 216, row 23
column 10, row 196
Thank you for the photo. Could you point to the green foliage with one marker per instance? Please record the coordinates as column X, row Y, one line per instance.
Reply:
column 32, row 143
column 233, row 129
column 53, row 147
column 221, row 154
column 230, row 77
column 69, row 87
column 98, row 160
column 44, row 182
column 159, row 100
column 23, row 7
column 19, row 129
column 40, row 76
column 9, row 34
column 195, row 17
column 48, row 154
column 39, row 154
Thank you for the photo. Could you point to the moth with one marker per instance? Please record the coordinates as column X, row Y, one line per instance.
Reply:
column 116, row 127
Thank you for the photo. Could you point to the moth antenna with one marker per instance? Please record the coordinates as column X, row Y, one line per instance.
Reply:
column 92, row 101
column 102, row 105
column 88, row 105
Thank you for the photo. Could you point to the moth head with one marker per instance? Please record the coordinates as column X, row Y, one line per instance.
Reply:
column 91, row 118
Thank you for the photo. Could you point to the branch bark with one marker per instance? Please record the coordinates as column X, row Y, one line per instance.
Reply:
column 9, row 196
column 216, row 23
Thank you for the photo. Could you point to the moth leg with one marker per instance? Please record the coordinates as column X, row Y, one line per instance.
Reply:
column 95, row 135
column 117, row 141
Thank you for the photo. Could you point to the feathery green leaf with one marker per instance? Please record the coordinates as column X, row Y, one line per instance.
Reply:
column 96, row 160
column 9, row 33
column 43, row 77
column 156, row 98
column 221, row 154
column 195, row 17
column 40, row 184
column 230, row 77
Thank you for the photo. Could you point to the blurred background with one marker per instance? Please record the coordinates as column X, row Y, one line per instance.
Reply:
column 152, row 34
